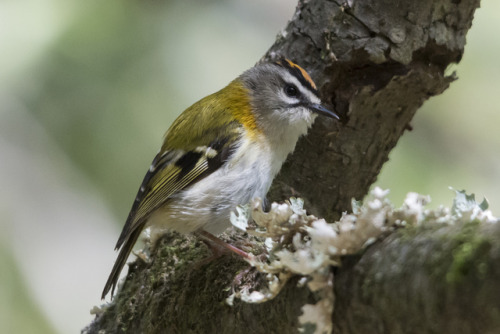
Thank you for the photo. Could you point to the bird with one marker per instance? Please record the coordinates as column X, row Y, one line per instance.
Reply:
column 222, row 152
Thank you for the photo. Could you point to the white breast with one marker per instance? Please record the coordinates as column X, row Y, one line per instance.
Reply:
column 208, row 203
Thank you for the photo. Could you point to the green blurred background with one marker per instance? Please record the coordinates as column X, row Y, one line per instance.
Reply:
column 87, row 90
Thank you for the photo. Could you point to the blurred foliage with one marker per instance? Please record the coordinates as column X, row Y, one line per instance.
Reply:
column 19, row 315
column 105, row 79
column 100, row 92
column 115, row 79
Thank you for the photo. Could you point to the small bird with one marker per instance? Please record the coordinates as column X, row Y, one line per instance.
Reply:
column 221, row 152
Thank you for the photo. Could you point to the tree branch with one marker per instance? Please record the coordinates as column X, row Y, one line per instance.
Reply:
column 375, row 62
column 428, row 279
column 431, row 279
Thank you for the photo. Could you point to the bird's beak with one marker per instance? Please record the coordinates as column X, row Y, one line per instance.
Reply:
column 318, row 108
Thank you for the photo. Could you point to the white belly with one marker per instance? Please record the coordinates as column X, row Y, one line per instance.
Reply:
column 208, row 203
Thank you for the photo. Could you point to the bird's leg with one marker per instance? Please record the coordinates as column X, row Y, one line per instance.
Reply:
column 216, row 245
column 212, row 239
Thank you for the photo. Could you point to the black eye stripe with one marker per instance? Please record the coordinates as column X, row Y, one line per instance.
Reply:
column 296, row 72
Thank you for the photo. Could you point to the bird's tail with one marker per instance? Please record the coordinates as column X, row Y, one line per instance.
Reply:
column 120, row 262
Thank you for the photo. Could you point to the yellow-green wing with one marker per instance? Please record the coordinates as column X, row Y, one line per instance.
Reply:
column 198, row 143
column 172, row 171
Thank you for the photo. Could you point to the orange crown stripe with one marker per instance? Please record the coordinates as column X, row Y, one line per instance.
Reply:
column 303, row 72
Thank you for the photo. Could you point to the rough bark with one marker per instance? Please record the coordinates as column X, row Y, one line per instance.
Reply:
column 375, row 62
column 431, row 279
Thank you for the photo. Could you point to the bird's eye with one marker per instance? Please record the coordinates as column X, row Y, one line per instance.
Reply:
column 291, row 91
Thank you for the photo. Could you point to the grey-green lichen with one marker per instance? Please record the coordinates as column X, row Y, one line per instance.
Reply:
column 294, row 248
column 301, row 244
